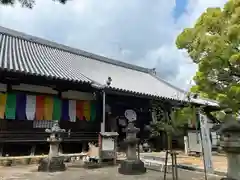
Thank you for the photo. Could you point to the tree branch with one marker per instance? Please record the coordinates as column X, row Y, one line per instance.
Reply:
column 233, row 70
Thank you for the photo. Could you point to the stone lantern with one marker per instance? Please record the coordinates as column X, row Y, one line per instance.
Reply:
column 132, row 165
column 230, row 143
column 53, row 162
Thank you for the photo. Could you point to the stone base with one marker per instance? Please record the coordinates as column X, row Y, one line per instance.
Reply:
column 131, row 167
column 55, row 164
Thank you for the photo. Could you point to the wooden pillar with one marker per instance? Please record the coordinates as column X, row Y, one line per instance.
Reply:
column 33, row 148
column 1, row 150
column 103, row 124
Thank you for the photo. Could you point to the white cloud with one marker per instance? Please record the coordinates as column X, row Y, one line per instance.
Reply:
column 139, row 32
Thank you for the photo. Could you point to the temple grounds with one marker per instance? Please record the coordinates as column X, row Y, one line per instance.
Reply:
column 74, row 172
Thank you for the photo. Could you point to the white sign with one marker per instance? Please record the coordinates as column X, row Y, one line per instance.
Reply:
column 194, row 142
column 130, row 115
column 107, row 144
column 206, row 143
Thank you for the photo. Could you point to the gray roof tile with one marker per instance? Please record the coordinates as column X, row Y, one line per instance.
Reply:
column 20, row 55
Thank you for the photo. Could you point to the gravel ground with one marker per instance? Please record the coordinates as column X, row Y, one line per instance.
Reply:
column 77, row 173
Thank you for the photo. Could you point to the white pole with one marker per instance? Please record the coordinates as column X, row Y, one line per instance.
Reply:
column 186, row 144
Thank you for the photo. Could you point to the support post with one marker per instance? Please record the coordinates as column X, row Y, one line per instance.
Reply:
column 173, row 166
column 165, row 165
column 1, row 150
column 103, row 124
column 33, row 148
column 186, row 146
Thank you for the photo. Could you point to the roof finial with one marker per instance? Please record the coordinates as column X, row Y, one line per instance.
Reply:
column 154, row 71
column 109, row 81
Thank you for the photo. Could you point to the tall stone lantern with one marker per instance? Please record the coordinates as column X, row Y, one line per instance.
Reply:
column 230, row 143
column 132, row 165
column 53, row 162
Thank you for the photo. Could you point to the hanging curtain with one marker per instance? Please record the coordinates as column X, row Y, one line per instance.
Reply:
column 10, row 111
column 48, row 108
column 93, row 111
column 31, row 107
column 3, row 100
column 56, row 109
column 72, row 110
column 65, row 110
column 40, row 107
column 79, row 110
column 86, row 110
column 21, row 106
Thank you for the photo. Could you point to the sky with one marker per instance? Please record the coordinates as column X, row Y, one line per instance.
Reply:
column 140, row 32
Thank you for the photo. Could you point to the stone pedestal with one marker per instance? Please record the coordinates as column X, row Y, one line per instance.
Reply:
column 132, row 165
column 52, row 165
column 233, row 170
column 230, row 143
column 53, row 162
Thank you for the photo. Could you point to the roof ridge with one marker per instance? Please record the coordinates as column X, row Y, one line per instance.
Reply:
column 52, row 44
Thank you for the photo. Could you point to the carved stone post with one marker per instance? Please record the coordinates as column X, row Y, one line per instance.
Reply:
column 53, row 162
column 230, row 143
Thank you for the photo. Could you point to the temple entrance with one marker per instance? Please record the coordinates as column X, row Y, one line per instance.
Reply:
column 116, row 106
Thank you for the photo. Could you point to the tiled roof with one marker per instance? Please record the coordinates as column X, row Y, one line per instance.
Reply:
column 31, row 55
column 17, row 54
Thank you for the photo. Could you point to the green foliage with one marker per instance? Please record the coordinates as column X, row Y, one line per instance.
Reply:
column 173, row 124
column 214, row 44
column 220, row 115
column 25, row 3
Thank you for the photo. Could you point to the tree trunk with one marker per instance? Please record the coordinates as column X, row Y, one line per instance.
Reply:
column 158, row 143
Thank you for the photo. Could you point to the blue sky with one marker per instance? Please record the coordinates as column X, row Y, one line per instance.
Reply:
column 134, row 31
column 180, row 8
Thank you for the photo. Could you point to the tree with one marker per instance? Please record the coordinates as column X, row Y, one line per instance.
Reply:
column 25, row 3
column 172, row 124
column 214, row 44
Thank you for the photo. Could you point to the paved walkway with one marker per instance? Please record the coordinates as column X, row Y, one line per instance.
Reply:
column 219, row 162
column 77, row 173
